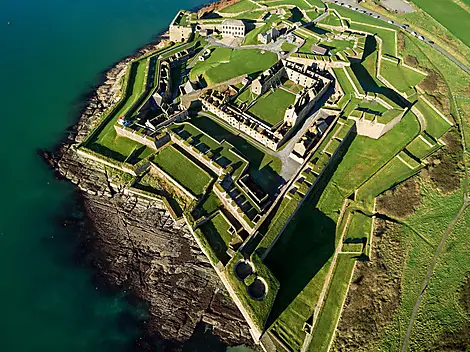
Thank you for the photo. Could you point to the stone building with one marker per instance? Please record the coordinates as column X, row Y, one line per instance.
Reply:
column 268, row 36
column 233, row 28
column 180, row 30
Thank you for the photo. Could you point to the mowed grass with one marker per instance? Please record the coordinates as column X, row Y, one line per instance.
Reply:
column 401, row 77
column 436, row 126
column 450, row 15
column 392, row 174
column 263, row 167
column 422, row 146
column 251, row 62
column 183, row 170
column 343, row 81
column 270, row 108
column 216, row 232
column 301, row 4
column 389, row 42
column 358, row 17
column 366, row 155
column 359, row 227
column 240, row 6
column 106, row 141
column 333, row 304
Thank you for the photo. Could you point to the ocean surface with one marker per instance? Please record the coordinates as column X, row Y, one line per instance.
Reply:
column 50, row 55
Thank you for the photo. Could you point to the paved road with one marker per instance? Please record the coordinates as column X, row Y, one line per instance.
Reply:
column 354, row 5
column 430, row 271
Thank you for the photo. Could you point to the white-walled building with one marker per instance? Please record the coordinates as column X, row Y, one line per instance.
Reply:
column 233, row 28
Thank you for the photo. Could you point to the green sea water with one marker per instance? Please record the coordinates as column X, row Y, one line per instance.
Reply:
column 50, row 55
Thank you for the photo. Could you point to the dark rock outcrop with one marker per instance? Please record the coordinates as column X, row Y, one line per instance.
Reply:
column 136, row 245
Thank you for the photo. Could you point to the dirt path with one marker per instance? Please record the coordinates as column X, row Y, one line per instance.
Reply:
column 430, row 271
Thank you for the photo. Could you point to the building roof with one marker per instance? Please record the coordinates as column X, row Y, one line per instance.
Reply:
column 319, row 50
column 231, row 22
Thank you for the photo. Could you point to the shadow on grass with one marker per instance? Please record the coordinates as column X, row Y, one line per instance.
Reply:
column 216, row 241
column 306, row 245
column 367, row 81
column 264, row 175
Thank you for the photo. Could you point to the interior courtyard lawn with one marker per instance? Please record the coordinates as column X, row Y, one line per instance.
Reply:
column 335, row 45
column 401, row 77
column 183, row 170
column 271, row 107
column 250, row 61
column 263, row 167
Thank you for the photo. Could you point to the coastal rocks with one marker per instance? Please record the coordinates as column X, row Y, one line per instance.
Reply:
column 136, row 246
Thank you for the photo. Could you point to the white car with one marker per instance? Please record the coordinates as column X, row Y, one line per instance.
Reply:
column 420, row 37
column 413, row 33
column 390, row 21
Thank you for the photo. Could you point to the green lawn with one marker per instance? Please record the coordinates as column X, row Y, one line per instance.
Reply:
column 270, row 108
column 343, row 81
column 331, row 20
column 251, row 62
column 263, row 168
column 287, row 47
column 441, row 313
column 358, row 17
column 436, row 126
column 359, row 227
column 301, row 4
column 389, row 43
column 218, row 237
column 222, row 152
column 258, row 310
column 450, row 15
column 333, row 303
column 183, row 170
column 240, row 6
column 422, row 146
column 335, row 45
column 392, row 174
column 106, row 140
column 307, row 47
column 401, row 77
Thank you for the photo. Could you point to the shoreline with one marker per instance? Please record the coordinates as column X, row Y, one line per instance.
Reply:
column 97, row 252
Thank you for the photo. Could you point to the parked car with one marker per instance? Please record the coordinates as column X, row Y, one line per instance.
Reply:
column 414, row 33
column 390, row 21
column 420, row 37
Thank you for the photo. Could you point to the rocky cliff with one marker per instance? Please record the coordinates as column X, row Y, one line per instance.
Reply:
column 137, row 246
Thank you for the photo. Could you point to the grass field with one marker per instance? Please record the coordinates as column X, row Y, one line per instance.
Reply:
column 436, row 126
column 401, row 77
column 270, row 108
column 331, row 310
column 331, row 20
column 336, row 45
column 222, row 152
column 240, row 62
column 288, row 47
column 422, row 146
column 263, row 168
column 450, row 15
column 393, row 173
column 389, row 42
column 439, row 314
column 307, row 47
column 216, row 232
column 343, row 81
column 240, row 6
column 299, row 3
column 106, row 141
column 359, row 227
column 358, row 17
column 183, row 170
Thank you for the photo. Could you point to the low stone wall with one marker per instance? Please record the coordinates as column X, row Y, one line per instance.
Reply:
column 224, row 198
column 153, row 143
column 179, row 189
column 217, row 169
